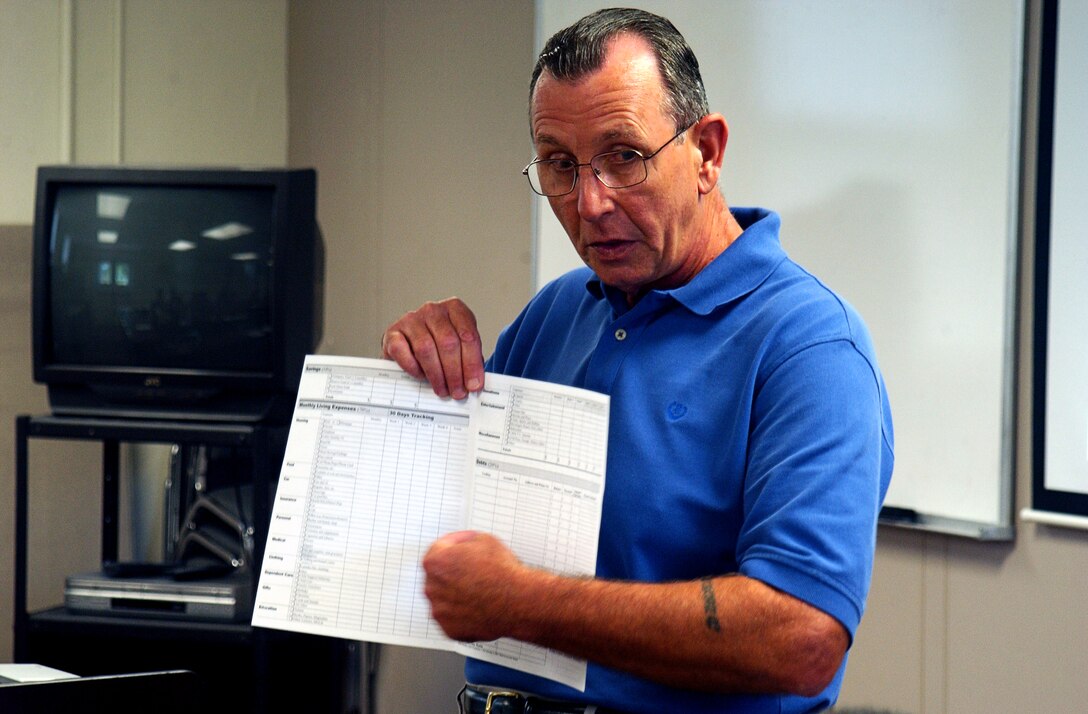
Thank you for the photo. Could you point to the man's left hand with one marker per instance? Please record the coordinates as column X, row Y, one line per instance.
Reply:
column 470, row 582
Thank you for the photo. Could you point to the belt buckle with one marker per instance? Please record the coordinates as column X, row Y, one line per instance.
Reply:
column 491, row 698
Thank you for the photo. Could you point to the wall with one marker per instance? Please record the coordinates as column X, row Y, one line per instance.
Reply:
column 953, row 625
column 419, row 156
column 411, row 156
column 153, row 81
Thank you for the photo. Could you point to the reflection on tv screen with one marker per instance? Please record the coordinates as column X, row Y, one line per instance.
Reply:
column 175, row 278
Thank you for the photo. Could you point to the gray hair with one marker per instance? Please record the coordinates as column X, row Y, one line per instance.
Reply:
column 578, row 50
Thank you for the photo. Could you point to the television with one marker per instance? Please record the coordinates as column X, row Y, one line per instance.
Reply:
column 175, row 293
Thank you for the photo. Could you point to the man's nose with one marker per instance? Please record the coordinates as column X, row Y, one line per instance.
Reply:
column 594, row 198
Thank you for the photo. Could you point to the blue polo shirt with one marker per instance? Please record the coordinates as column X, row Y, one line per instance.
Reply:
column 749, row 432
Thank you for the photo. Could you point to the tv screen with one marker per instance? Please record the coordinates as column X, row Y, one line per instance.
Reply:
column 175, row 293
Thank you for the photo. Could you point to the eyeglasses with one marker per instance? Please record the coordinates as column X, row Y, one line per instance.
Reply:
column 614, row 169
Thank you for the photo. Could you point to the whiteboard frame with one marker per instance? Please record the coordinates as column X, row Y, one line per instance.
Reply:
column 1051, row 506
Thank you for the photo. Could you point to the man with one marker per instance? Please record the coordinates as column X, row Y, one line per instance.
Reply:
column 750, row 444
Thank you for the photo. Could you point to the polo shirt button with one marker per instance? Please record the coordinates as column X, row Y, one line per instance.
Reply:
column 621, row 334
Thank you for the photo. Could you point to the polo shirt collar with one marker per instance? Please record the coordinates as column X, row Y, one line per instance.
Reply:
column 736, row 272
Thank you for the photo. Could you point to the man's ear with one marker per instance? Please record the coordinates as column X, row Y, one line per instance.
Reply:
column 710, row 135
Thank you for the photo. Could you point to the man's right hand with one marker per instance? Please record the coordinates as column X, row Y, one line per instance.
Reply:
column 440, row 343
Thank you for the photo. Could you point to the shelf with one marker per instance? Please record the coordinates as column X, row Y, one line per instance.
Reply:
column 58, row 619
column 247, row 670
column 211, row 433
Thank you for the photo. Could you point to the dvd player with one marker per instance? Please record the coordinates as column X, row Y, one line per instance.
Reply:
column 227, row 598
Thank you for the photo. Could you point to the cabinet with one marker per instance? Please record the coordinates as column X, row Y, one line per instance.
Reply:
column 246, row 669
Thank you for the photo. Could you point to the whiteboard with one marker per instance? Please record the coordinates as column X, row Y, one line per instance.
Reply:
column 887, row 137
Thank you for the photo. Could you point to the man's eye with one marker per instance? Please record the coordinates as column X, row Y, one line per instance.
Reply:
column 619, row 158
column 561, row 165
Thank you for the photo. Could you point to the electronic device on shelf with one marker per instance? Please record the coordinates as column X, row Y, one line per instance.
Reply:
column 175, row 293
column 226, row 598
column 206, row 572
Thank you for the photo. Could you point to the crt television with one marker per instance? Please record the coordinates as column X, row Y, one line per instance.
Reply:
column 175, row 293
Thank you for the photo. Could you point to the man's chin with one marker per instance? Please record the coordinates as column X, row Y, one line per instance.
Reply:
column 627, row 281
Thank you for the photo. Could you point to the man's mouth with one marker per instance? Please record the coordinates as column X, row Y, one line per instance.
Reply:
column 611, row 249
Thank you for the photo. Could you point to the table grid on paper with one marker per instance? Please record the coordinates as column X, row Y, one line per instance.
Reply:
column 386, row 478
column 560, row 429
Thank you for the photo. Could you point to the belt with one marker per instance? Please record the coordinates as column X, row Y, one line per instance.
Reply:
column 481, row 700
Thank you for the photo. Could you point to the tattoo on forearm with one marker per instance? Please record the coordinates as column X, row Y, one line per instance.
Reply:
column 710, row 606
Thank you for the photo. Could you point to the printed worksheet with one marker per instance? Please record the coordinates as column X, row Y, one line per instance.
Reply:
column 377, row 468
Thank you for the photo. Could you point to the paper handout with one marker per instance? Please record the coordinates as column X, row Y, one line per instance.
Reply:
column 377, row 468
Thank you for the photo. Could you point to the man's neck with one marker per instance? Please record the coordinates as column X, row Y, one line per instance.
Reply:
column 719, row 230
column 722, row 227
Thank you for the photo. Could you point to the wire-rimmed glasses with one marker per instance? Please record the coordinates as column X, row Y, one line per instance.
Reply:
column 615, row 169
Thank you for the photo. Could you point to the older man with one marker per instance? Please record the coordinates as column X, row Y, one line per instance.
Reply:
column 750, row 444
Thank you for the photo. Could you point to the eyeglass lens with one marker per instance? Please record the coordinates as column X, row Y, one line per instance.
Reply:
column 615, row 169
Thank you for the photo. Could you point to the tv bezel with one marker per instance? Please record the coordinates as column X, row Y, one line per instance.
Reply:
column 205, row 394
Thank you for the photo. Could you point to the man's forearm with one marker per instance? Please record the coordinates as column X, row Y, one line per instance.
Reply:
column 721, row 634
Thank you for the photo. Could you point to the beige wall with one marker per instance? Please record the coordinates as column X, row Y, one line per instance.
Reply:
column 410, row 157
column 414, row 115
column 138, row 81
column 386, row 99
column 956, row 625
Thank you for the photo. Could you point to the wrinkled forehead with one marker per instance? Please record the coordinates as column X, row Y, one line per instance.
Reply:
column 627, row 84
